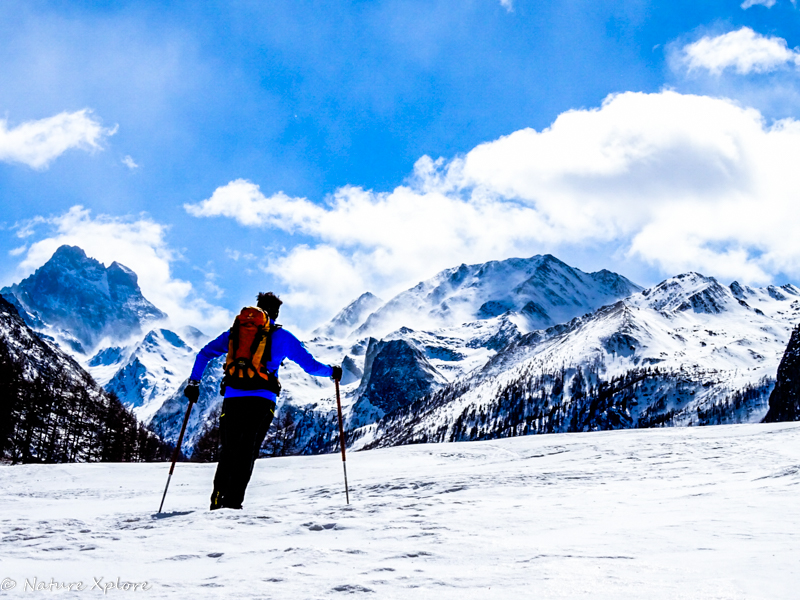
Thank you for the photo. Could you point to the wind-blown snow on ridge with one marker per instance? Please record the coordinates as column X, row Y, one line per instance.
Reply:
column 542, row 288
column 350, row 316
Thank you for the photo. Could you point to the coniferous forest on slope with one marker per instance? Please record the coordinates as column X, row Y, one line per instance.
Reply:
column 51, row 411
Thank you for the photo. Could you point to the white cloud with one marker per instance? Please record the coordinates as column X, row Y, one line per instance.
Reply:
column 136, row 243
column 743, row 50
column 748, row 3
column 244, row 202
column 508, row 5
column 678, row 181
column 38, row 143
column 130, row 163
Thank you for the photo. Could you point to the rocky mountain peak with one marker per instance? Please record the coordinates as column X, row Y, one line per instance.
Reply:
column 77, row 294
column 690, row 291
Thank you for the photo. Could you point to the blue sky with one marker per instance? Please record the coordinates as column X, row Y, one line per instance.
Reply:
column 598, row 131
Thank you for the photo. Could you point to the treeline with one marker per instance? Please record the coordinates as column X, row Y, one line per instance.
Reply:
column 568, row 400
column 51, row 411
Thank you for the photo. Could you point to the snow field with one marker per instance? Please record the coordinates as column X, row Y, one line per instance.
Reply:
column 695, row 513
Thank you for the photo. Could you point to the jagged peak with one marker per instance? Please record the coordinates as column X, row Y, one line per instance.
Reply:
column 75, row 293
column 690, row 290
column 350, row 316
column 71, row 253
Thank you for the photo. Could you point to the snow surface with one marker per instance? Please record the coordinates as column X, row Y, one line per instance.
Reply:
column 700, row 513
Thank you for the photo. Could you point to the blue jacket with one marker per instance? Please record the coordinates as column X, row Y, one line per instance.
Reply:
column 284, row 345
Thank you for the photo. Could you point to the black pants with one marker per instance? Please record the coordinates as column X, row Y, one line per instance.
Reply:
column 243, row 425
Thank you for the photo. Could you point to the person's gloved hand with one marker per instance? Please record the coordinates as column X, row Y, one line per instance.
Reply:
column 337, row 373
column 192, row 391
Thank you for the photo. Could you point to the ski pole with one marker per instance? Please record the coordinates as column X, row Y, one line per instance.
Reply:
column 176, row 452
column 341, row 440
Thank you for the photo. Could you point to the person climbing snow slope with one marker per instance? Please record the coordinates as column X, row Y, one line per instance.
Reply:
column 255, row 346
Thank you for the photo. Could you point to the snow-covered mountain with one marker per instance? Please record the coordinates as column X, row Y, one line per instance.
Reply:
column 386, row 368
column 472, row 312
column 503, row 348
column 687, row 351
column 542, row 290
column 80, row 302
column 99, row 315
column 146, row 373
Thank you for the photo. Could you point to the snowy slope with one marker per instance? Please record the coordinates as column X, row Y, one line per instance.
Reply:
column 693, row 513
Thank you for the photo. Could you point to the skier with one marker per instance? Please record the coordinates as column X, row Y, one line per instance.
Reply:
column 256, row 347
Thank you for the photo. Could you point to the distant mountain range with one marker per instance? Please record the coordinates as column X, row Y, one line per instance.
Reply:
column 688, row 351
column 500, row 348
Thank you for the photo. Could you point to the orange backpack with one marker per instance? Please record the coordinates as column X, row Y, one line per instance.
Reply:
column 249, row 347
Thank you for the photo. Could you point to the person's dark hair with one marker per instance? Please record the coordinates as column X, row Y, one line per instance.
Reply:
column 270, row 303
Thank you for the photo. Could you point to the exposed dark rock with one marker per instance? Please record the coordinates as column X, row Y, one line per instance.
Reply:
column 395, row 374
column 621, row 344
column 784, row 402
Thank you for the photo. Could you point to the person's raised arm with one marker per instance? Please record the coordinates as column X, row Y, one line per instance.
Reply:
column 211, row 350
column 297, row 352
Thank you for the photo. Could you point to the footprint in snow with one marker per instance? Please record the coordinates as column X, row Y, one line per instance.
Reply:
column 320, row 527
column 351, row 589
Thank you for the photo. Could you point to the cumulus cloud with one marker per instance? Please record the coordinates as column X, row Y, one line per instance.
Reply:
column 137, row 243
column 681, row 182
column 130, row 163
column 744, row 51
column 509, row 4
column 38, row 143
column 748, row 3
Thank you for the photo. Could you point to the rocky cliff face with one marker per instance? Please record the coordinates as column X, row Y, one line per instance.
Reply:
column 395, row 374
column 784, row 402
